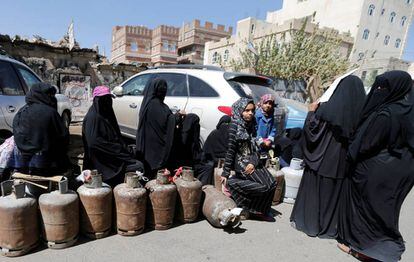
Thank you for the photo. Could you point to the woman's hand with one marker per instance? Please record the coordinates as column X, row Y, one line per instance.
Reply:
column 249, row 169
column 312, row 107
column 223, row 180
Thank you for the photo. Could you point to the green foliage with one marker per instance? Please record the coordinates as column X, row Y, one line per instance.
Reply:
column 297, row 54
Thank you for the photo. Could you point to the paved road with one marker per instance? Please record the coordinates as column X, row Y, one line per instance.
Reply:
column 256, row 241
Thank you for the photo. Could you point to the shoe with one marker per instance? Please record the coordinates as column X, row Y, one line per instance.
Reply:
column 263, row 217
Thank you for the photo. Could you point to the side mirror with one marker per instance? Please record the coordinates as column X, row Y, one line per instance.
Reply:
column 118, row 91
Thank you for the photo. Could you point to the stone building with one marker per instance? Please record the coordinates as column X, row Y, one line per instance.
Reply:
column 251, row 30
column 164, row 45
column 192, row 38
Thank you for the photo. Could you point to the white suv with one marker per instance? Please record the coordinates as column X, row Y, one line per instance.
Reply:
column 206, row 91
column 15, row 80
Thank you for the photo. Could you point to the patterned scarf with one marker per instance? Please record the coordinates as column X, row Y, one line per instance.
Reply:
column 245, row 130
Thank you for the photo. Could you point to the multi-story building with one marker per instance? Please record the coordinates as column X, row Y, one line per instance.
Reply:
column 192, row 38
column 250, row 30
column 379, row 27
column 164, row 45
column 131, row 44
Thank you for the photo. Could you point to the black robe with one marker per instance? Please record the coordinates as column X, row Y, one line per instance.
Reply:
column 103, row 145
column 382, row 171
column 326, row 139
column 155, row 134
column 40, row 135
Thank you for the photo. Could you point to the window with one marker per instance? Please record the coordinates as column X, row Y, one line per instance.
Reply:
column 136, row 86
column 408, row 1
column 397, row 43
column 363, row 75
column 176, row 84
column 226, row 55
column 199, row 88
column 376, row 35
column 215, row 58
column 165, row 45
column 172, row 48
column 252, row 29
column 386, row 40
column 371, row 9
column 383, row 11
column 365, row 35
column 403, row 20
column 9, row 82
column 373, row 54
column 392, row 17
column 360, row 56
column 29, row 78
column 134, row 46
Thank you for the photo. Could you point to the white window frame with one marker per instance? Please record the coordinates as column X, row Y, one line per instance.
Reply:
column 392, row 17
column 387, row 40
column 371, row 9
column 365, row 34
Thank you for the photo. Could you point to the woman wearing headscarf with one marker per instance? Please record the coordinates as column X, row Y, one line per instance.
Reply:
column 382, row 171
column 40, row 135
column 327, row 133
column 252, row 187
column 104, row 147
column 215, row 148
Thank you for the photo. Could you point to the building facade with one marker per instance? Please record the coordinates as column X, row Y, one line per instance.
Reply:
column 250, row 30
column 192, row 38
column 379, row 27
column 164, row 45
column 131, row 44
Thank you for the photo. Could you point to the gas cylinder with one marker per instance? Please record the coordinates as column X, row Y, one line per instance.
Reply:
column 293, row 176
column 217, row 173
column 161, row 207
column 273, row 165
column 59, row 211
column 189, row 196
column 96, row 207
column 220, row 211
column 19, row 228
column 130, row 205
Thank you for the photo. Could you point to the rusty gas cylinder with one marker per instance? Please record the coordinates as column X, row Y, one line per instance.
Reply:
column 59, row 211
column 220, row 210
column 189, row 196
column 130, row 205
column 218, row 170
column 19, row 227
column 273, row 165
column 96, row 207
column 161, row 207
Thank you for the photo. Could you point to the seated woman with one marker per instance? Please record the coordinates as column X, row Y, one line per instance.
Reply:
column 40, row 136
column 215, row 148
column 252, row 186
column 164, row 139
column 104, row 148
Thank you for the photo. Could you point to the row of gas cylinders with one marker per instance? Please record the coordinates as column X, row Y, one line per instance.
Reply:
column 65, row 213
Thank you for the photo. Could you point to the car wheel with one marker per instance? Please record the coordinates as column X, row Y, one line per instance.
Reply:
column 66, row 119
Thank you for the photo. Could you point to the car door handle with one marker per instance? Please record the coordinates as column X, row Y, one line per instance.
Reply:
column 133, row 105
column 11, row 109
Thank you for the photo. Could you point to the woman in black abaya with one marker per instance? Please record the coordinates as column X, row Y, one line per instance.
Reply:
column 327, row 132
column 382, row 171
column 104, row 148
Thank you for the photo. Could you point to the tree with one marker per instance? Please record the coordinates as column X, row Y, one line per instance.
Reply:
column 314, row 57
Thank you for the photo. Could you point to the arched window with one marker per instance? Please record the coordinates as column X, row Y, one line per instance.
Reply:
column 226, row 55
column 360, row 56
column 397, row 43
column 373, row 54
column 215, row 57
column 365, row 35
column 371, row 9
column 386, row 40
column 408, row 1
column 403, row 20
column 392, row 17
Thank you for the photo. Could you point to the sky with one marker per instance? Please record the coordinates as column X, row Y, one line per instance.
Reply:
column 94, row 19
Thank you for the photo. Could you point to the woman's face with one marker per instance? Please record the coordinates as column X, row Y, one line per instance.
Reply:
column 248, row 112
column 268, row 106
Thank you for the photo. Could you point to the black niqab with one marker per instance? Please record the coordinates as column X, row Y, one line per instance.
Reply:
column 216, row 144
column 103, row 144
column 343, row 109
column 37, row 127
column 156, row 126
